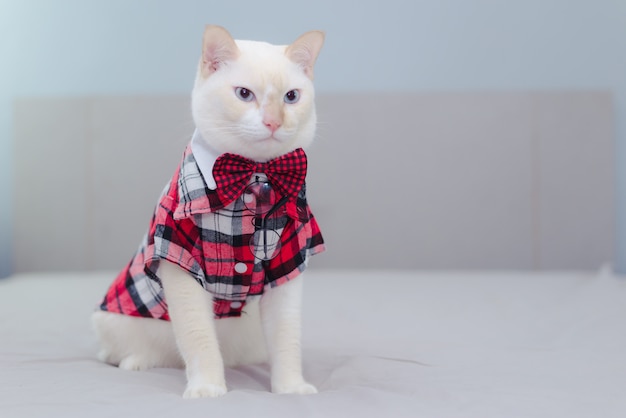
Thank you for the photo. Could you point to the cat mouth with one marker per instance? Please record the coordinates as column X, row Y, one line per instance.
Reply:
column 270, row 138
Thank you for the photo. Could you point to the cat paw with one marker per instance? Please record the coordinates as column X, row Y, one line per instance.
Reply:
column 205, row 390
column 296, row 388
column 133, row 362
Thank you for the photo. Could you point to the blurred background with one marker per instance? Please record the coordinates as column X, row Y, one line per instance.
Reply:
column 454, row 134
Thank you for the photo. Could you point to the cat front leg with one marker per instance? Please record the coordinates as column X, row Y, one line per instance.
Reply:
column 281, row 309
column 191, row 313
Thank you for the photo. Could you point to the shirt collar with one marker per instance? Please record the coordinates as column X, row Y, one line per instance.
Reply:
column 195, row 185
column 205, row 157
column 192, row 187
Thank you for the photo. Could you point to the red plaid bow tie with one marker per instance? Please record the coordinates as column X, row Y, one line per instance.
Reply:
column 286, row 174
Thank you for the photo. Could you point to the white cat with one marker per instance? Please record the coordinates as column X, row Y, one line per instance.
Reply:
column 191, row 296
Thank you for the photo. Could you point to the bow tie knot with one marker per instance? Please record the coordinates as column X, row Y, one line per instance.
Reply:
column 286, row 174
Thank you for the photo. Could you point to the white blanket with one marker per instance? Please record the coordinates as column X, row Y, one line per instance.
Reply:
column 376, row 344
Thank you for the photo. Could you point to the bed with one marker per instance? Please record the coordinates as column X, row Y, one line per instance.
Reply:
column 466, row 283
column 377, row 343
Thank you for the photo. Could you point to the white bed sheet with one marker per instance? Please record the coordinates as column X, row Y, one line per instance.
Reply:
column 376, row 344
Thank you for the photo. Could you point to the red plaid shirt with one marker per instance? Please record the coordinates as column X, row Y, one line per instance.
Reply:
column 192, row 228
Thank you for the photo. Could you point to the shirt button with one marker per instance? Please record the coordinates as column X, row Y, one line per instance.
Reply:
column 235, row 305
column 241, row 268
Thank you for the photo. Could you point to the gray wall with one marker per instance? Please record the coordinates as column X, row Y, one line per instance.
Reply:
column 75, row 48
column 431, row 181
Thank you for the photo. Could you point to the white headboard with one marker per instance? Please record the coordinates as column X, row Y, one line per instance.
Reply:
column 470, row 180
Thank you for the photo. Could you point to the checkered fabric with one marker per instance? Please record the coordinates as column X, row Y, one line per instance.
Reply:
column 195, row 229
column 286, row 173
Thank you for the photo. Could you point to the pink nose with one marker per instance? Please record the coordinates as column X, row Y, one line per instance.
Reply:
column 272, row 125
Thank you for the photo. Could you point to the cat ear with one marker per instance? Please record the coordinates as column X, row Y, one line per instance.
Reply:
column 217, row 47
column 305, row 49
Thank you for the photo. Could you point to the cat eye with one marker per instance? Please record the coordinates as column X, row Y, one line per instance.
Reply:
column 244, row 94
column 292, row 96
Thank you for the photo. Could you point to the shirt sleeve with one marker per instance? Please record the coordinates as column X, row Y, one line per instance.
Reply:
column 173, row 240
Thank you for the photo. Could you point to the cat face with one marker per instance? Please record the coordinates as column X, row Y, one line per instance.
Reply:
column 255, row 99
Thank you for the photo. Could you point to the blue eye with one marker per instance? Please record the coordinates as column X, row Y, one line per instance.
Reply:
column 244, row 94
column 292, row 96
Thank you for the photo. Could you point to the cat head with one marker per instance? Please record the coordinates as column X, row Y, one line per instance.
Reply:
column 253, row 98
